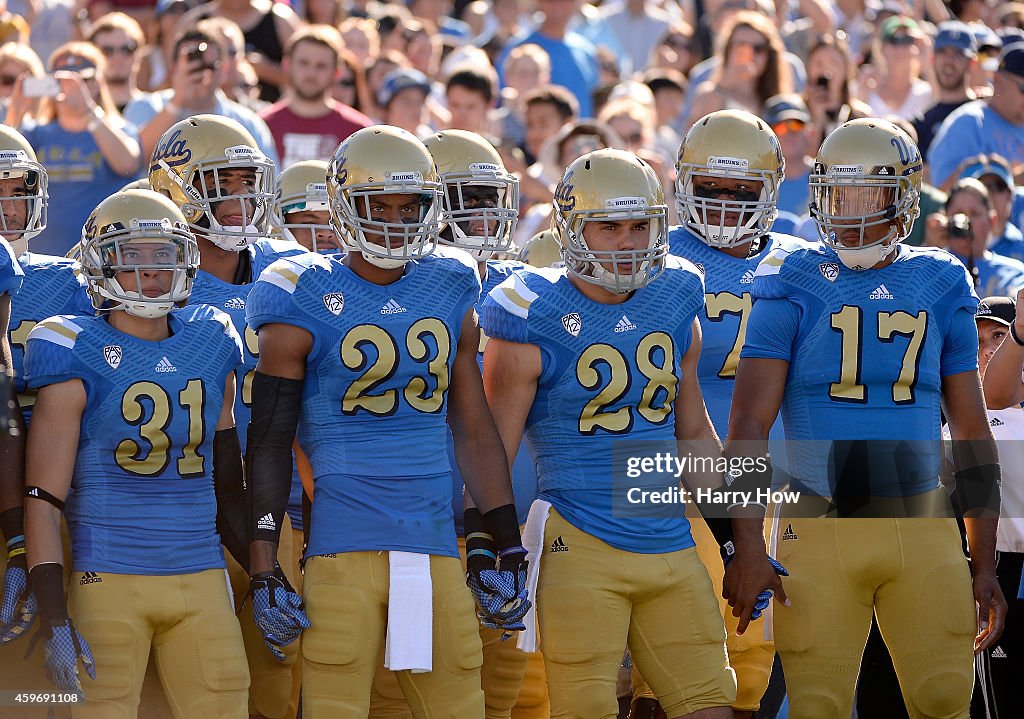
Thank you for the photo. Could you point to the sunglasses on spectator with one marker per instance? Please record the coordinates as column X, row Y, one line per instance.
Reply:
column 8, row 80
column 788, row 127
column 347, row 82
column 111, row 50
column 677, row 43
column 901, row 40
column 760, row 48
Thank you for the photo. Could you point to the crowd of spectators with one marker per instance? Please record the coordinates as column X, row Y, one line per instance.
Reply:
column 543, row 79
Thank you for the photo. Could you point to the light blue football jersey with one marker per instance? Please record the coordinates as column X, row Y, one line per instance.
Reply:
column 52, row 286
column 727, row 304
column 524, row 476
column 374, row 412
column 11, row 274
column 230, row 298
column 143, row 500
column 867, row 352
column 609, row 379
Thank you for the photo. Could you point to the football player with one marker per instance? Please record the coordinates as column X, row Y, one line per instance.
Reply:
column 728, row 174
column 51, row 286
column 377, row 353
column 302, row 209
column 480, row 211
column 585, row 357
column 212, row 168
column 134, row 412
column 859, row 340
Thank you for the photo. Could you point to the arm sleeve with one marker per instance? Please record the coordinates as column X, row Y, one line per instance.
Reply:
column 229, row 486
column 960, row 344
column 772, row 330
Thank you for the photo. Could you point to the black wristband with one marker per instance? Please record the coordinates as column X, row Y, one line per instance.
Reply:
column 481, row 550
column 276, row 405
column 48, row 586
column 502, row 523
column 721, row 530
column 12, row 523
column 1014, row 335
column 978, row 487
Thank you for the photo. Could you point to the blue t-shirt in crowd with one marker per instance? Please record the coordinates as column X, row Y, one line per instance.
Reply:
column 970, row 130
column 573, row 64
column 80, row 179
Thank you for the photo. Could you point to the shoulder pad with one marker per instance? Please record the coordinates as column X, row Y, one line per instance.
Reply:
column 60, row 330
column 286, row 271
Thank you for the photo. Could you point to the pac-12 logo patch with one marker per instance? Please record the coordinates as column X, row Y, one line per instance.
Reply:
column 113, row 354
column 829, row 270
column 572, row 323
column 334, row 302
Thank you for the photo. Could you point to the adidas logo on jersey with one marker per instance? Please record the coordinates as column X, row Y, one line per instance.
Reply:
column 392, row 308
column 998, row 653
column 624, row 325
column 89, row 578
column 748, row 278
column 335, row 303
column 881, row 293
column 572, row 323
column 789, row 533
column 699, row 266
column 267, row 522
column 996, row 422
column 113, row 354
column 235, row 303
column 164, row 365
column 558, row 545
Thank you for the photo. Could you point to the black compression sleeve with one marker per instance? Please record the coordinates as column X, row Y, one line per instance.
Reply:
column 12, row 523
column 48, row 586
column 503, row 524
column 232, row 503
column 276, row 403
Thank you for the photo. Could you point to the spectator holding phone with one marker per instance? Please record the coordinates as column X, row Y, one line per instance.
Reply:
column 195, row 88
column 79, row 136
column 16, row 61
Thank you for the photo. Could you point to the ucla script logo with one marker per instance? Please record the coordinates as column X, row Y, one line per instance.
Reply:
column 340, row 172
column 563, row 194
column 175, row 152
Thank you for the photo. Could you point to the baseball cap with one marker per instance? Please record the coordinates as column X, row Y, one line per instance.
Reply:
column 956, row 34
column 1011, row 59
column 788, row 106
column 165, row 6
column 900, row 25
column 990, row 165
column 400, row 79
column 998, row 309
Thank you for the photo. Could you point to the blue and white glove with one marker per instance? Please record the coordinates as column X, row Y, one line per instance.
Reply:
column 765, row 597
column 18, row 606
column 278, row 610
column 64, row 646
column 501, row 594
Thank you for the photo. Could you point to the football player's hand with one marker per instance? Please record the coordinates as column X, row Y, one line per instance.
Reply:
column 18, row 607
column 991, row 611
column 277, row 610
column 501, row 594
column 64, row 646
column 751, row 579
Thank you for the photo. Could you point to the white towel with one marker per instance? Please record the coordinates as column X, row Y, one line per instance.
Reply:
column 409, row 641
column 533, row 541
